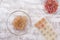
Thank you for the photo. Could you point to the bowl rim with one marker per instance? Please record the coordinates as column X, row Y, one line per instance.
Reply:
column 13, row 13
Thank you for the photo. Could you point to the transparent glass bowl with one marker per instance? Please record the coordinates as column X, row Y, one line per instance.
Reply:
column 11, row 18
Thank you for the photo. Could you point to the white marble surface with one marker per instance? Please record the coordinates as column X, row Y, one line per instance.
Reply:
column 35, row 10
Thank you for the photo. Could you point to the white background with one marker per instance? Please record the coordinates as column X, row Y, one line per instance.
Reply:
column 35, row 10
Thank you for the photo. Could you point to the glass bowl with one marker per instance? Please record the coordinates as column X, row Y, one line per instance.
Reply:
column 11, row 18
